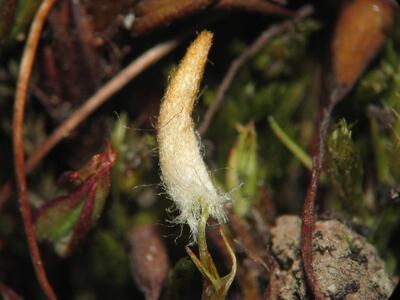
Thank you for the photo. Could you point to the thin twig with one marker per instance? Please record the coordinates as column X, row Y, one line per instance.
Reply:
column 90, row 105
column 254, row 48
column 18, row 142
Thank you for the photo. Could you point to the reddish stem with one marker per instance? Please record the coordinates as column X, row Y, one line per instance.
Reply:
column 307, row 226
column 18, row 142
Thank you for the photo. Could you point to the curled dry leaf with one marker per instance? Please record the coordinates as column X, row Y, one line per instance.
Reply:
column 149, row 260
column 65, row 220
column 359, row 34
column 151, row 14
column 154, row 13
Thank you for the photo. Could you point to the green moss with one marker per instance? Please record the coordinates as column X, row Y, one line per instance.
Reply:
column 109, row 260
column 182, row 280
column 345, row 171
column 26, row 10
column 242, row 173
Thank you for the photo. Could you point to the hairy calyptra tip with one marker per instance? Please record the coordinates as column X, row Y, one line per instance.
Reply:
column 184, row 173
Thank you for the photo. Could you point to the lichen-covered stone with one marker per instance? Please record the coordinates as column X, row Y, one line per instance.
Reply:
column 346, row 266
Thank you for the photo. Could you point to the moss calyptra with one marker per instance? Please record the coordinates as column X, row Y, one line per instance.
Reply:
column 184, row 172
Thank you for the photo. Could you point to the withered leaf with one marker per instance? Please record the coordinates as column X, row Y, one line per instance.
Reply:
column 359, row 34
column 149, row 260
column 65, row 220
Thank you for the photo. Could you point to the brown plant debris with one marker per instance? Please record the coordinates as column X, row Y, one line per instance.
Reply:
column 359, row 34
column 151, row 14
column 149, row 260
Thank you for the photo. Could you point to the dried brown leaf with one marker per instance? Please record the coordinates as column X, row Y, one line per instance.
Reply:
column 359, row 34
column 149, row 260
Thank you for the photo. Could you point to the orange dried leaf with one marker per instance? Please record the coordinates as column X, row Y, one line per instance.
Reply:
column 151, row 14
column 359, row 34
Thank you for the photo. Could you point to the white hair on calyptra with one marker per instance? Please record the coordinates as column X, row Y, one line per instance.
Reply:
column 184, row 173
